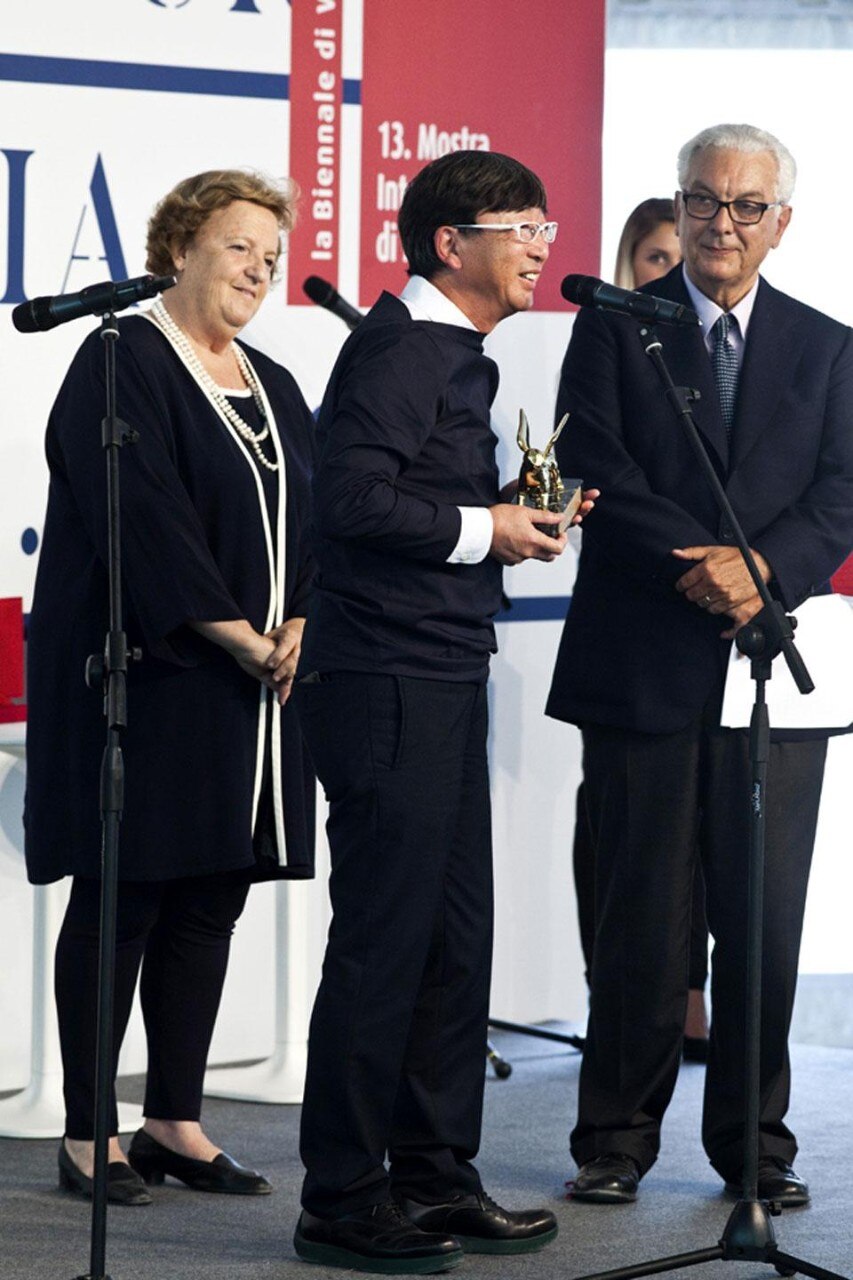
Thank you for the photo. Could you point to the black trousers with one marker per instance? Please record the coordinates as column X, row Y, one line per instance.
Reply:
column 653, row 800
column 395, row 1053
column 180, row 931
column 583, row 867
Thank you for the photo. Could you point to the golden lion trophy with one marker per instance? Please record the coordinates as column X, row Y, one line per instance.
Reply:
column 539, row 481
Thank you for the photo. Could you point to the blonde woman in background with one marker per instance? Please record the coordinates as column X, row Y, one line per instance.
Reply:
column 648, row 246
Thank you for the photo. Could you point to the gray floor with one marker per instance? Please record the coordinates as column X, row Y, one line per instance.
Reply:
column 184, row 1236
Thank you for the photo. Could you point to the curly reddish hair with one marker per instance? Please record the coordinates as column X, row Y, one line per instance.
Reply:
column 180, row 214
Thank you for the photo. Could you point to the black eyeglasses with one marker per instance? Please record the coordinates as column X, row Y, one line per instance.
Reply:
column 745, row 212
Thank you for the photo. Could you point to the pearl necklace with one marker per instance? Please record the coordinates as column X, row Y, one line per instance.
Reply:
column 185, row 350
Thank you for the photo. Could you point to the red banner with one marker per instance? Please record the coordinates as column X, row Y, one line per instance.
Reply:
column 316, row 94
column 11, row 660
column 442, row 77
column 842, row 581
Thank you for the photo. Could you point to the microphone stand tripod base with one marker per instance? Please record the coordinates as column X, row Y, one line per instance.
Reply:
column 748, row 1237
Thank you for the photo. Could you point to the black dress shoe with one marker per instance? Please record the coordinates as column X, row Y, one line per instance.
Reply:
column 609, row 1179
column 776, row 1181
column 152, row 1161
column 379, row 1239
column 481, row 1226
column 123, row 1185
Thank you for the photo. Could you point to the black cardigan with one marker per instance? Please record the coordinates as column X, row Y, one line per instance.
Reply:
column 404, row 441
column 194, row 546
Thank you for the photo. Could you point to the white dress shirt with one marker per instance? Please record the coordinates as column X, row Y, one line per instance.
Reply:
column 709, row 313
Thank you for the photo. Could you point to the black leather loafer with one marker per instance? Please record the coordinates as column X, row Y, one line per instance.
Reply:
column 482, row 1226
column 152, row 1161
column 776, row 1181
column 380, row 1239
column 123, row 1185
column 609, row 1179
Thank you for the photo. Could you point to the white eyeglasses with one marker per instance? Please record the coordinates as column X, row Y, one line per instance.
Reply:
column 526, row 232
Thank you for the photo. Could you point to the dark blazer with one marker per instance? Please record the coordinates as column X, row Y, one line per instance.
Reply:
column 634, row 653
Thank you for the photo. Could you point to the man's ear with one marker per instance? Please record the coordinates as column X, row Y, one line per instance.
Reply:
column 446, row 243
column 781, row 224
column 676, row 208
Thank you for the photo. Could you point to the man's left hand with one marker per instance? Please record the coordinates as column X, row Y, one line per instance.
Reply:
column 719, row 582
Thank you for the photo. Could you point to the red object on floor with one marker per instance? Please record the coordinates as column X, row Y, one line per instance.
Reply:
column 12, row 706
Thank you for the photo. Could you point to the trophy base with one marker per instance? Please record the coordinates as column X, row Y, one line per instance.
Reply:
column 567, row 501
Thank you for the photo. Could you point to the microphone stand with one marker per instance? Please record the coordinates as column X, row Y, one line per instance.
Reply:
column 748, row 1235
column 108, row 671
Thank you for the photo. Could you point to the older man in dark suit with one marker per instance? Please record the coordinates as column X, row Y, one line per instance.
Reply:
column 660, row 591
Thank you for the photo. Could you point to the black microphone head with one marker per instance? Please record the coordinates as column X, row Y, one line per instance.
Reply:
column 319, row 290
column 580, row 290
column 23, row 318
column 34, row 316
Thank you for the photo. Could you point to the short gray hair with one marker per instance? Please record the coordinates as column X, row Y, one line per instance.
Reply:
column 742, row 137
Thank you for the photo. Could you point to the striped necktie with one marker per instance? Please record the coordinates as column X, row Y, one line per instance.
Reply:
column 725, row 362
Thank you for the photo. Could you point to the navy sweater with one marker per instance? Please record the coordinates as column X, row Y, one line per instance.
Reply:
column 404, row 440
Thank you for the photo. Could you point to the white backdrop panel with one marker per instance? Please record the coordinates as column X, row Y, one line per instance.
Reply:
column 239, row 35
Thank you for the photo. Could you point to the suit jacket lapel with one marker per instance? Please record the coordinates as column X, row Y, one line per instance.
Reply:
column 769, row 358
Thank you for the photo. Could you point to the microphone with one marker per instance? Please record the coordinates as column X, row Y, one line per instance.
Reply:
column 325, row 295
column 111, row 295
column 586, row 291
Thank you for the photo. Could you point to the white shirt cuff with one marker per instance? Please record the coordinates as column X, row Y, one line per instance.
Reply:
column 475, row 537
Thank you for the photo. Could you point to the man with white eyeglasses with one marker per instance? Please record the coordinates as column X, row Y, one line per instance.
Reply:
column 661, row 590
column 391, row 696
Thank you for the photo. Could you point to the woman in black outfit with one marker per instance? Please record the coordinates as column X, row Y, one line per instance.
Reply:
column 216, row 576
